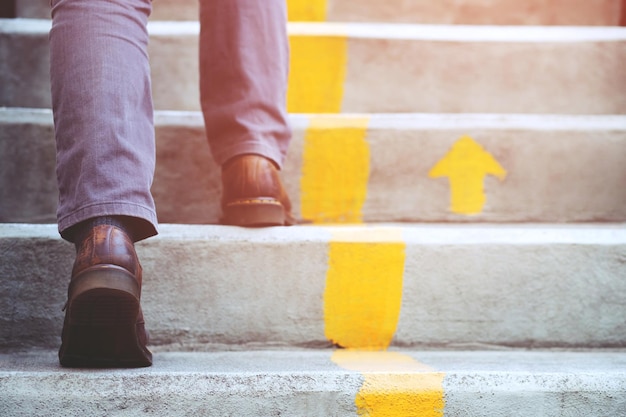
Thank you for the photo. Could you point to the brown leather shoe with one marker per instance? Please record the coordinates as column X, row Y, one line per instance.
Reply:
column 253, row 194
column 104, row 324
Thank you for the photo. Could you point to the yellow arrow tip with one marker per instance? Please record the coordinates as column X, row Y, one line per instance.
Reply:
column 466, row 164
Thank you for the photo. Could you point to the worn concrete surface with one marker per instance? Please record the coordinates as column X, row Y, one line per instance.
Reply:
column 308, row 383
column 469, row 12
column 486, row 69
column 559, row 168
column 527, row 286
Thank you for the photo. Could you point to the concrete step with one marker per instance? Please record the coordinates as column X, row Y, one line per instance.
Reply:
column 555, row 168
column 378, row 68
column 468, row 12
column 324, row 383
column 308, row 286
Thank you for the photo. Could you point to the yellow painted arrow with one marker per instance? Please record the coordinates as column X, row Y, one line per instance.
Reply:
column 466, row 165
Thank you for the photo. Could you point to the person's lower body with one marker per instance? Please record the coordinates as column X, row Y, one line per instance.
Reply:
column 102, row 105
column 244, row 65
column 103, row 118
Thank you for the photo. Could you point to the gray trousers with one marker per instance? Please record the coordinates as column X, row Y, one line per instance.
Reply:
column 102, row 103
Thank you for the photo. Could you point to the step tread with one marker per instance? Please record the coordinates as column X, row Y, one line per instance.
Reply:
column 554, row 164
column 493, row 69
column 461, row 285
column 537, row 362
column 308, row 383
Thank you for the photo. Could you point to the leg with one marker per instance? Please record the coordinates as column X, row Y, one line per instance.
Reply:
column 105, row 161
column 244, row 60
column 102, row 107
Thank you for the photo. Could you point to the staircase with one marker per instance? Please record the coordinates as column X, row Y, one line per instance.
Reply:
column 461, row 166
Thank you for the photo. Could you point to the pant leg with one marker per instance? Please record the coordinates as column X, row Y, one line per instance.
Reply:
column 103, row 117
column 244, row 65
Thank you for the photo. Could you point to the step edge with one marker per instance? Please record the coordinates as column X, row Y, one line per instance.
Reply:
column 604, row 234
column 395, row 31
column 378, row 121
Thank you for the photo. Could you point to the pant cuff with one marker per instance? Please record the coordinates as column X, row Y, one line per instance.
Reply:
column 250, row 146
column 145, row 226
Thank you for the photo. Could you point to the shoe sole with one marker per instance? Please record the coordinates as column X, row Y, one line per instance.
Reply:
column 256, row 212
column 100, row 328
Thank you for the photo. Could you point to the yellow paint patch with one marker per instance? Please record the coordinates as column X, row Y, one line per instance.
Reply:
column 361, row 310
column 317, row 73
column 307, row 10
column 364, row 287
column 394, row 384
column 335, row 170
column 466, row 165
column 399, row 395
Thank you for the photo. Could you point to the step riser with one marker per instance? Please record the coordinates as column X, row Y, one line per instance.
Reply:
column 467, row 12
column 490, row 384
column 511, row 286
column 558, row 169
column 449, row 73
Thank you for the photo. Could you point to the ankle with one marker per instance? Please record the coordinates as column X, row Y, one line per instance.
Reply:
column 83, row 229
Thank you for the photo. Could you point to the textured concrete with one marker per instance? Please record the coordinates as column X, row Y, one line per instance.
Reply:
column 28, row 187
column 554, row 165
column 530, row 286
column 443, row 69
column 308, row 383
column 479, row 12
column 468, row 12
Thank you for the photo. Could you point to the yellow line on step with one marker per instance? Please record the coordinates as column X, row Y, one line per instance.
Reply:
column 335, row 169
column 317, row 73
column 362, row 303
column 364, row 286
column 395, row 385
column 307, row 10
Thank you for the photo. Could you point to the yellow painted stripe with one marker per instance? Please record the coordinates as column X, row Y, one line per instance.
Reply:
column 335, row 170
column 361, row 310
column 307, row 10
column 395, row 385
column 317, row 73
column 364, row 286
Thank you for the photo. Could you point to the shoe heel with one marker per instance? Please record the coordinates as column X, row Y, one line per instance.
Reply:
column 104, row 280
column 100, row 329
column 254, row 213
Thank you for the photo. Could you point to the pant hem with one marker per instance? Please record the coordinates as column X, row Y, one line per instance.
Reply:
column 146, row 225
column 250, row 146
